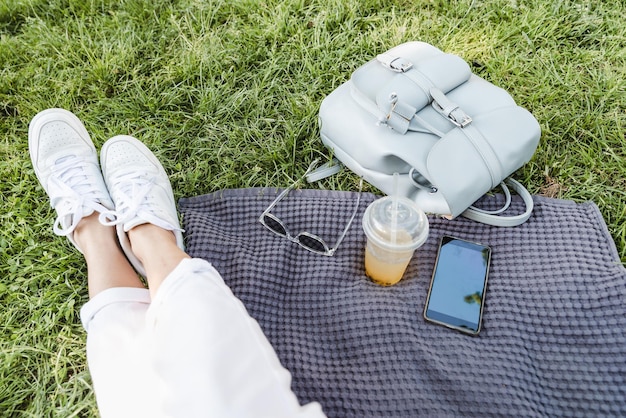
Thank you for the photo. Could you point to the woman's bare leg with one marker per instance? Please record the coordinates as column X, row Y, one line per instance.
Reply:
column 107, row 266
column 158, row 251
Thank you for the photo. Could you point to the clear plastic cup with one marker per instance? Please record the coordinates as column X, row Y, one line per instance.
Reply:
column 395, row 227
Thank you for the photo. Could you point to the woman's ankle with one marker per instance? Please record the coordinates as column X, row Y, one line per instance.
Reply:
column 156, row 248
column 147, row 240
column 90, row 234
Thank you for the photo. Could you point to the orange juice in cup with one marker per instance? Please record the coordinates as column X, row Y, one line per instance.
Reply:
column 395, row 227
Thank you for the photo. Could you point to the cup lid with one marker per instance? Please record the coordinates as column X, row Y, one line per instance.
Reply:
column 411, row 224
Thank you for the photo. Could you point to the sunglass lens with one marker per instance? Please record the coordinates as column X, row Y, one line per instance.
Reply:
column 274, row 225
column 312, row 243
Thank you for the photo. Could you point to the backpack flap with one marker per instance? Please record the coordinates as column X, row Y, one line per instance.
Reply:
column 373, row 75
column 399, row 94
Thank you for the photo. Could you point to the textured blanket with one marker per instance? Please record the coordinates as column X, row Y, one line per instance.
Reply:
column 553, row 341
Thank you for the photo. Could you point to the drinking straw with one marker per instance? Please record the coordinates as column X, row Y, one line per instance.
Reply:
column 394, row 210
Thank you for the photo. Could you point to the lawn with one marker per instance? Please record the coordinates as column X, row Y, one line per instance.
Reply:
column 227, row 93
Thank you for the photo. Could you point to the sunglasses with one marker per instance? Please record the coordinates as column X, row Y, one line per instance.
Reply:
column 305, row 239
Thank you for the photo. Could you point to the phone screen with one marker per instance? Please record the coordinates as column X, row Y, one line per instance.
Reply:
column 458, row 285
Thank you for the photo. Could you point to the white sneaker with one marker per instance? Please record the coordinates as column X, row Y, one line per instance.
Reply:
column 141, row 190
column 66, row 164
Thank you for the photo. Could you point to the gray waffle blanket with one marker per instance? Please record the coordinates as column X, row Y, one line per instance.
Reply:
column 553, row 341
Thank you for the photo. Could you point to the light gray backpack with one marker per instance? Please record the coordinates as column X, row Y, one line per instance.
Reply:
column 451, row 135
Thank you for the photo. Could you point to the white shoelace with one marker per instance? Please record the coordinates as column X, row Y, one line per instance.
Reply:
column 133, row 200
column 72, row 193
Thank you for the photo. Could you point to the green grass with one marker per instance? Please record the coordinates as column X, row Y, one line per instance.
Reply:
column 227, row 92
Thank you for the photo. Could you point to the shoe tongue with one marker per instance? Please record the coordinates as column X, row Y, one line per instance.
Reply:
column 64, row 158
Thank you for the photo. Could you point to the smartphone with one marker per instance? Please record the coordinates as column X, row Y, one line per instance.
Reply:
column 457, row 288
